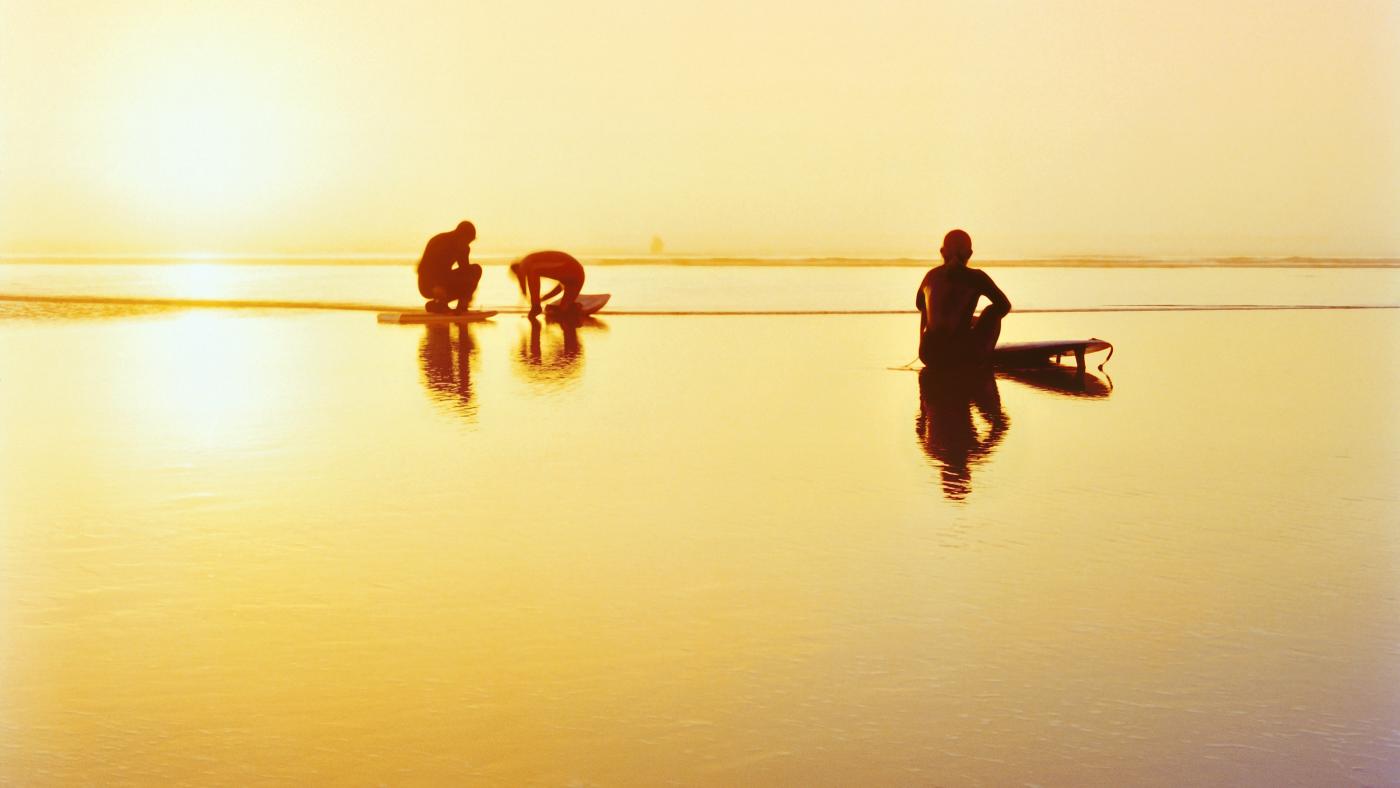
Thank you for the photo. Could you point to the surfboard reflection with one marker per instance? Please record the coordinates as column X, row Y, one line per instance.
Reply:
column 553, row 359
column 1064, row 381
column 960, row 423
column 446, row 355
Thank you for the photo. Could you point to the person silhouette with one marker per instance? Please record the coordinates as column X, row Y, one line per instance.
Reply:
column 947, row 299
column 558, row 266
column 446, row 272
column 948, row 431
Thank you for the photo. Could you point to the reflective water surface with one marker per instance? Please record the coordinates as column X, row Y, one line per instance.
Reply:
column 289, row 547
column 652, row 288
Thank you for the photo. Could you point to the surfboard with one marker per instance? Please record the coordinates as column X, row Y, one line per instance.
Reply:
column 1012, row 355
column 429, row 317
column 588, row 303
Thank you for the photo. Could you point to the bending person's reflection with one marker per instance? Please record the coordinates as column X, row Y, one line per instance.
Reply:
column 947, row 426
column 560, row 364
column 446, row 356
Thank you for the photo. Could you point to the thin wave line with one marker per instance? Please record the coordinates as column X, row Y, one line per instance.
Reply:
column 360, row 307
column 1032, row 311
column 209, row 303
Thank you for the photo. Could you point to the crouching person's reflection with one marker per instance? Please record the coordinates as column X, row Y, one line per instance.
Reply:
column 960, row 423
column 553, row 362
column 446, row 356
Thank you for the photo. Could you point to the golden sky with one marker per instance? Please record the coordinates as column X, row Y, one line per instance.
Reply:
column 1197, row 127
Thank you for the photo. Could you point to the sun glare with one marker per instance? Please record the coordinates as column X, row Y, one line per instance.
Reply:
column 211, row 139
column 204, row 281
column 194, row 383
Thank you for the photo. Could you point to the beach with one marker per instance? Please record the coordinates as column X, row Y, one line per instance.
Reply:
column 264, row 545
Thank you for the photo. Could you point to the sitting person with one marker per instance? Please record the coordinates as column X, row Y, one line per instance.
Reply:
column 562, row 268
column 446, row 273
column 947, row 299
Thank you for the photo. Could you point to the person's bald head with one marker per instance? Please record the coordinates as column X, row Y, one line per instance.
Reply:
column 957, row 247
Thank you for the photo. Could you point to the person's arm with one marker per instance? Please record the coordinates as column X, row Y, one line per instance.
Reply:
column 534, row 294
column 919, row 305
column 559, row 288
column 1001, row 305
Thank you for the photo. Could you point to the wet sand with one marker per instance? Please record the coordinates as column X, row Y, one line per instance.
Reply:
column 248, row 547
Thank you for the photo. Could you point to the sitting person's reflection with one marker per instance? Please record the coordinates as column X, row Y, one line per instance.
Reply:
column 562, row 362
column 446, row 356
column 949, row 434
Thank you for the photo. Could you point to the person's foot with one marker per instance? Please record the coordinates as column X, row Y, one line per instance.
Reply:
column 462, row 308
column 437, row 308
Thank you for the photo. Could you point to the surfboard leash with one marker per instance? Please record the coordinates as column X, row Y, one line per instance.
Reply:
column 909, row 366
column 1110, row 351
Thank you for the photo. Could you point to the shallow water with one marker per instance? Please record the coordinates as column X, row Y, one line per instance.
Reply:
column 296, row 546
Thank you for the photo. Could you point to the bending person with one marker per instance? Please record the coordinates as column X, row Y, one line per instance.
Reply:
column 560, row 267
column 446, row 272
column 947, row 300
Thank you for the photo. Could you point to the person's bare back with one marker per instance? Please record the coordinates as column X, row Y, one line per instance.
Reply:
column 947, row 299
column 559, row 266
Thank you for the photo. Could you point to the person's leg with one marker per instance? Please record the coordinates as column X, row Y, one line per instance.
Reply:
column 568, row 305
column 467, row 280
column 935, row 351
column 455, row 286
column 985, row 332
column 437, row 301
column 436, row 295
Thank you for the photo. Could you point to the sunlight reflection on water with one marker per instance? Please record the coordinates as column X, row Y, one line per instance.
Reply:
column 304, row 547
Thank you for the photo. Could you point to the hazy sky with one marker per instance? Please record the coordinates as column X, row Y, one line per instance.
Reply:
column 1196, row 127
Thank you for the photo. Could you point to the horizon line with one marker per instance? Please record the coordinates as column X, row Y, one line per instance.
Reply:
column 675, row 258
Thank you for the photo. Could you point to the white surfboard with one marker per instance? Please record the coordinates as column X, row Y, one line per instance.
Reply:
column 430, row 317
column 1032, row 354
